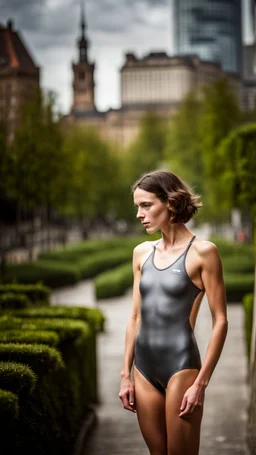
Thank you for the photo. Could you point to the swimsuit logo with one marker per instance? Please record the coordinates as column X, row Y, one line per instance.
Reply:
column 176, row 271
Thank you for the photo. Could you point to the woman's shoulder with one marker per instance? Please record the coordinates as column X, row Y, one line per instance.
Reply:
column 144, row 247
column 205, row 248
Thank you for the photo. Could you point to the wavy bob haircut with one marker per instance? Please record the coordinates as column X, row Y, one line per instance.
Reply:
column 184, row 204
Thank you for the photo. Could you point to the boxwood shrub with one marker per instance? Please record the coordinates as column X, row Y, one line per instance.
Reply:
column 248, row 321
column 115, row 282
column 9, row 409
column 14, row 300
column 17, row 378
column 51, row 273
column 37, row 293
column 238, row 285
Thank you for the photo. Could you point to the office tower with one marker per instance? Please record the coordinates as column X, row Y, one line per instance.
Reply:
column 211, row 29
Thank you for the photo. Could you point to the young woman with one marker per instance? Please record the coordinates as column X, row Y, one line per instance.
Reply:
column 171, row 276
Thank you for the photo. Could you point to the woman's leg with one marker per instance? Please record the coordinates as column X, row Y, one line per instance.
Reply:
column 183, row 433
column 150, row 407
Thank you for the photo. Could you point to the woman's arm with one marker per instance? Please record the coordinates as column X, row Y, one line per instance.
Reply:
column 126, row 393
column 212, row 278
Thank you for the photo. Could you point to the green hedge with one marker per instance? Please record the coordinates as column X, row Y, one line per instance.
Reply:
column 17, row 378
column 37, row 293
column 248, row 321
column 30, row 336
column 114, row 283
column 50, row 417
column 51, row 273
column 14, row 300
column 238, row 285
column 84, row 249
column 9, row 409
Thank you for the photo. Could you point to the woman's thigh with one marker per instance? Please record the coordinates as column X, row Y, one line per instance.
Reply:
column 150, row 407
column 183, row 433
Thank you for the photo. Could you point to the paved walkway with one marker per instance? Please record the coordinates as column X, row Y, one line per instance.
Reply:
column 223, row 427
column 117, row 433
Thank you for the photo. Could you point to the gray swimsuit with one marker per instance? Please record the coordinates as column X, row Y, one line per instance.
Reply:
column 165, row 343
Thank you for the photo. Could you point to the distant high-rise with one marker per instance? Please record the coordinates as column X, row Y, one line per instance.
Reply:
column 211, row 29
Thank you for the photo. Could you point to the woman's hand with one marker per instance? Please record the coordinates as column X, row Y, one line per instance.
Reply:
column 127, row 394
column 193, row 399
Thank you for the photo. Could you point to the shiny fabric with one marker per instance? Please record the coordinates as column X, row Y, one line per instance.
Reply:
column 165, row 343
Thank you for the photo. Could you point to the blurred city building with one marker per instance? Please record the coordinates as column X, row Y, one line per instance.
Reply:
column 19, row 76
column 155, row 83
column 211, row 29
column 249, row 62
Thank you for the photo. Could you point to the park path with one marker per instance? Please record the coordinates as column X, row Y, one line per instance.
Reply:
column 117, row 432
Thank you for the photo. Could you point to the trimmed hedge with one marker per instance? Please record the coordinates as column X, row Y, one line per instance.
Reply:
column 93, row 316
column 29, row 337
column 14, row 300
column 114, row 283
column 85, row 249
column 17, row 378
column 50, row 273
column 37, row 293
column 51, row 417
column 238, row 285
column 9, row 408
column 248, row 321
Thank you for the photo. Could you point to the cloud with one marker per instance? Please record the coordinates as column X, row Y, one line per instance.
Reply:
column 50, row 29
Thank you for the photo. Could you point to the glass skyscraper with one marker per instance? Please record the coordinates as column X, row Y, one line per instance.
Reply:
column 212, row 29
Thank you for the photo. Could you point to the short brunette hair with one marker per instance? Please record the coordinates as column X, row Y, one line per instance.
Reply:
column 168, row 187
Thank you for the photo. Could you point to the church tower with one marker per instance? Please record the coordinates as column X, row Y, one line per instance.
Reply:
column 83, row 74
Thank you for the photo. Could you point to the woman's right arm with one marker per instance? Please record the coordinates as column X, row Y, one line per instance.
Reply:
column 126, row 393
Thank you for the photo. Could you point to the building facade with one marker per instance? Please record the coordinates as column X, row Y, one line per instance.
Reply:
column 19, row 77
column 156, row 83
column 211, row 29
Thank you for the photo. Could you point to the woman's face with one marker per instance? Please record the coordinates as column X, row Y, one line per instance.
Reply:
column 152, row 212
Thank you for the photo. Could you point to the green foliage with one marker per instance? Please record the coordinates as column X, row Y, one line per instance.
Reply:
column 37, row 293
column 9, row 406
column 17, row 378
column 30, row 337
column 147, row 150
column 52, row 274
column 183, row 151
column 91, row 315
column 237, row 285
column 37, row 154
column 92, row 172
column 115, row 282
column 38, row 356
column 14, row 300
column 248, row 321
column 237, row 154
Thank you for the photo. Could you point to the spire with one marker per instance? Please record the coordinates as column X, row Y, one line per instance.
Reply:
column 83, row 42
column 83, row 23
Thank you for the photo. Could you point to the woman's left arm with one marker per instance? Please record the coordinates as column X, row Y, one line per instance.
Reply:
column 212, row 278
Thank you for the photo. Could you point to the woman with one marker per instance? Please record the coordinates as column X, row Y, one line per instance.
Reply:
column 171, row 276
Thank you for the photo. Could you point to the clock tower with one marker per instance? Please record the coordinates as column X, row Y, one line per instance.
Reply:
column 83, row 74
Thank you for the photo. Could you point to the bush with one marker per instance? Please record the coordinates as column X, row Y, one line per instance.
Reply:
column 114, row 283
column 237, row 286
column 93, row 316
column 9, row 408
column 238, row 264
column 51, row 273
column 248, row 321
column 17, row 378
column 38, row 293
column 14, row 300
column 29, row 337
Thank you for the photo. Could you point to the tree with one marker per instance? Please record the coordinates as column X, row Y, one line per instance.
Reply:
column 237, row 152
column 220, row 114
column 92, row 172
column 146, row 152
column 183, row 151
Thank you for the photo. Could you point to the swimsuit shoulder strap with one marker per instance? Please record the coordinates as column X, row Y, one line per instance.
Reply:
column 189, row 245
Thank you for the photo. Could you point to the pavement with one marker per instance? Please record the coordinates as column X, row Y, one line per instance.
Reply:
column 117, row 432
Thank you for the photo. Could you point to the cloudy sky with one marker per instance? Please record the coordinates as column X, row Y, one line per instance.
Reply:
column 50, row 29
